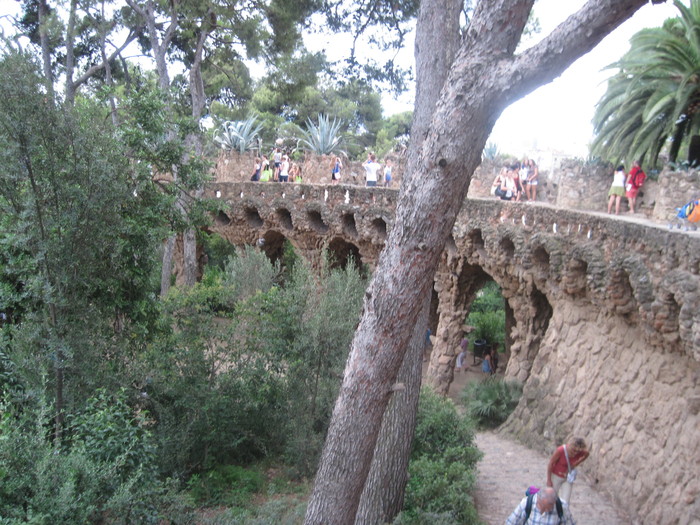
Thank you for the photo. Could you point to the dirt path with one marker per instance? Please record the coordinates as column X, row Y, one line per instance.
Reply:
column 508, row 468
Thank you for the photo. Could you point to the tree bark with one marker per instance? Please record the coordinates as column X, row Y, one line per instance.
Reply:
column 43, row 9
column 167, row 268
column 484, row 79
column 382, row 497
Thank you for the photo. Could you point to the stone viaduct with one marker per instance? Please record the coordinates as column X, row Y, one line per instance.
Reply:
column 602, row 315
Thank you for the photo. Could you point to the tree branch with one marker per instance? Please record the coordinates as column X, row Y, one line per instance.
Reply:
column 573, row 38
column 94, row 69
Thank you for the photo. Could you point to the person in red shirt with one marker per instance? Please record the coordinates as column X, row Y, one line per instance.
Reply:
column 635, row 179
column 558, row 468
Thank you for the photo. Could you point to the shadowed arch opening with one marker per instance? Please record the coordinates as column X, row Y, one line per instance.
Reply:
column 349, row 225
column 621, row 294
column 451, row 246
column 507, row 246
column 253, row 218
column 272, row 245
column 667, row 319
column 342, row 252
column 476, row 239
column 222, row 219
column 379, row 227
column 540, row 258
column 285, row 218
column 540, row 305
column 316, row 221
column 576, row 278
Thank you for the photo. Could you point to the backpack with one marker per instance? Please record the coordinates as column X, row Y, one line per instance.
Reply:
column 690, row 211
column 530, row 492
column 639, row 178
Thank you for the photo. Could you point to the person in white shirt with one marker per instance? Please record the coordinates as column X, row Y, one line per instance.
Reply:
column 387, row 173
column 284, row 169
column 371, row 169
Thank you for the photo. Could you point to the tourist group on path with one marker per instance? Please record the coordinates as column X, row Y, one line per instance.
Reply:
column 282, row 170
column 517, row 182
column 550, row 505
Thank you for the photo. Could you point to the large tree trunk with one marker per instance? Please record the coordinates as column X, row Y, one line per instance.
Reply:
column 485, row 78
column 382, row 498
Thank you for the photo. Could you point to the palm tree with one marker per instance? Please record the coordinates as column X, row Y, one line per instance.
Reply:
column 653, row 102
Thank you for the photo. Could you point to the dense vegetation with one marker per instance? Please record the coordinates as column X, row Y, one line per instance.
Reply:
column 487, row 315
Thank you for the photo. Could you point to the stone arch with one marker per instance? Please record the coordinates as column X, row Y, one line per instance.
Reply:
column 252, row 217
column 222, row 219
column 272, row 244
column 507, row 246
column 342, row 252
column 540, row 259
column 284, row 217
column 576, row 277
column 476, row 241
column 379, row 227
column 456, row 283
column 540, row 305
column 316, row 221
column 349, row 225
column 621, row 295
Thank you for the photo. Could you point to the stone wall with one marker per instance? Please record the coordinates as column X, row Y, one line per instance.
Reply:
column 605, row 336
column 231, row 166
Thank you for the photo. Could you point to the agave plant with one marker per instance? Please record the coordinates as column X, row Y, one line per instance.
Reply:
column 323, row 138
column 490, row 151
column 239, row 134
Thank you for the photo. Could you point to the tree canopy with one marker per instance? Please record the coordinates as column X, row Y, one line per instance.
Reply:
column 651, row 105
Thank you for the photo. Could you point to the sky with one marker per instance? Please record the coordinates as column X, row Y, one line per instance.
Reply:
column 556, row 117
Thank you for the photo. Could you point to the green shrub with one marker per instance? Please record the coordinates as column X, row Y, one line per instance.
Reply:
column 440, row 427
column 226, row 485
column 84, row 482
column 442, row 468
column 487, row 315
column 490, row 402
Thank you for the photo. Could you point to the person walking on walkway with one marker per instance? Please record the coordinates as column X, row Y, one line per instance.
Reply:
column 542, row 510
column 617, row 190
column 561, row 469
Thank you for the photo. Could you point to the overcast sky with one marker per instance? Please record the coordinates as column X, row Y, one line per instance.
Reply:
column 556, row 116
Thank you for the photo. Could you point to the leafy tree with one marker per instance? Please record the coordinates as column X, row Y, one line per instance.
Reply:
column 394, row 133
column 652, row 102
column 82, row 218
